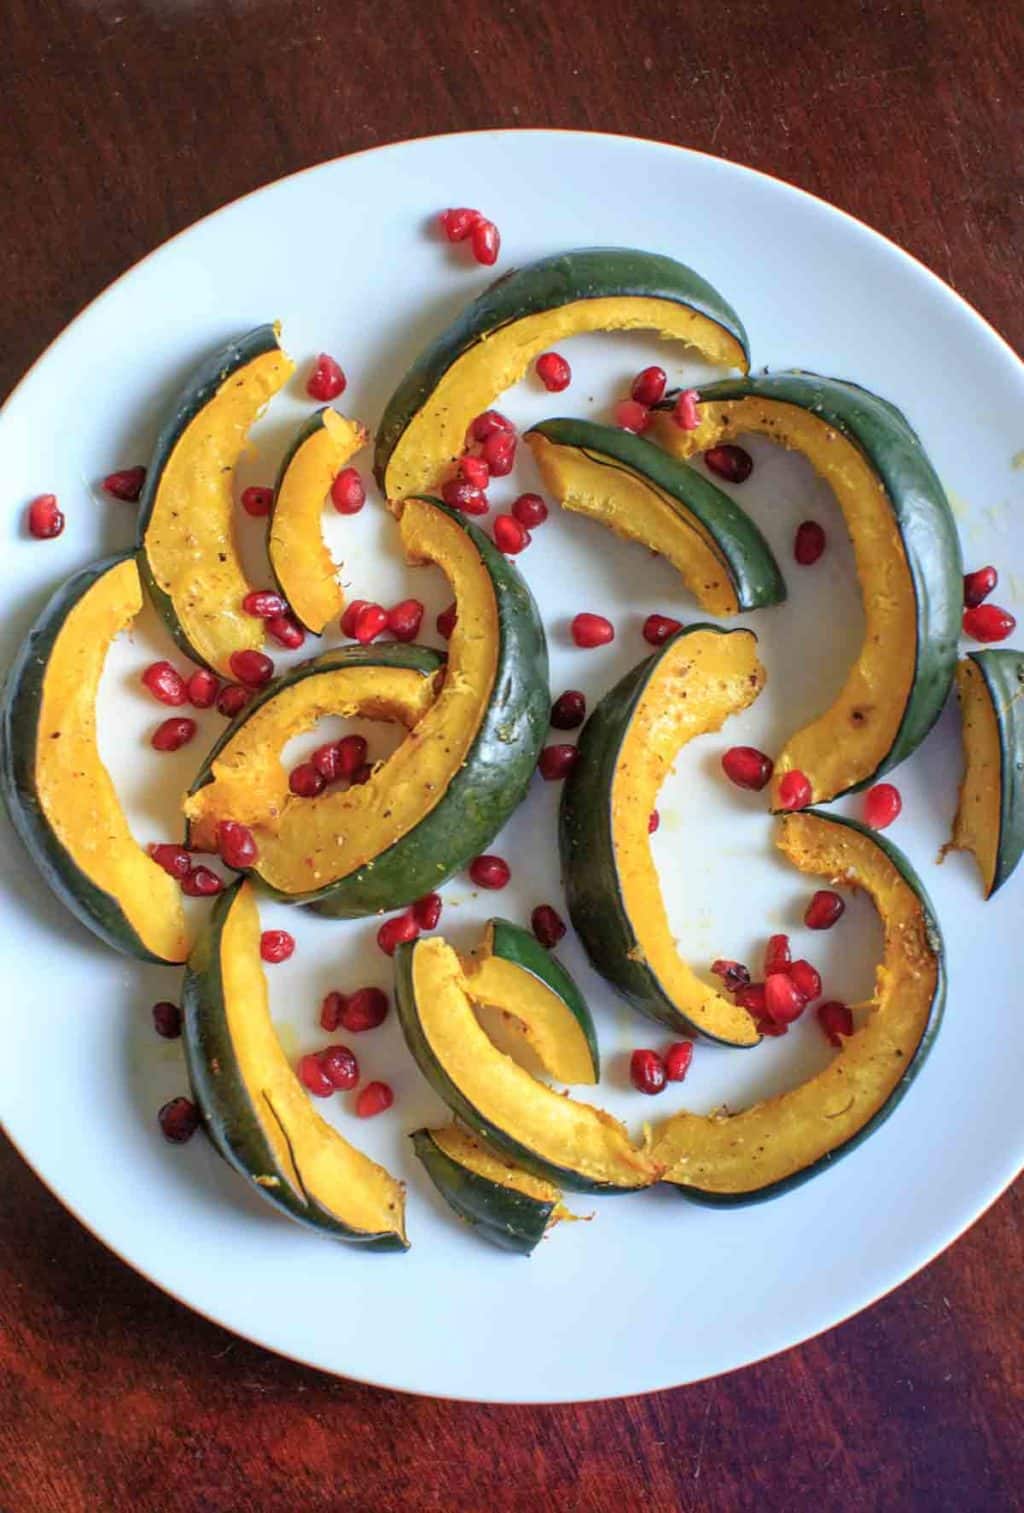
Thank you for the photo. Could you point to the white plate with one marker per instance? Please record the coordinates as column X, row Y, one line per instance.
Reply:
column 654, row 1291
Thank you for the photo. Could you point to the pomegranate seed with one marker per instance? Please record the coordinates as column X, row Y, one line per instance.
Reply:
column 174, row 733
column 45, row 520
column 486, row 242
column 232, row 699
column 882, row 804
column 340, row 1067
column 684, row 412
column 747, row 767
column 649, row 386
column 809, row 543
column 732, row 463
column 126, row 485
column 327, row 761
column 395, row 932
column 348, row 492
column 630, row 416
column 237, row 845
column 446, row 621
column 253, row 668
column 313, row 1077
column 179, row 1120
column 202, row 688
column 733, row 973
column 264, row 604
column 592, row 630
column 362, row 774
column 836, row 1021
column 806, row 980
column 327, row 380
column 474, row 470
column 548, row 925
column 167, row 1020
column 286, row 631
column 175, row 860
column 978, row 585
column 647, row 1072
column 490, row 871
column 783, row 1000
column 351, row 755
column 530, row 510
column 823, row 910
column 794, row 790
column 427, row 911
column 557, row 762
column 201, row 883
column 370, row 621
column 510, row 536
column 458, row 224
column 305, row 781
column 569, row 710
column 768, row 1026
column 488, row 423
column 658, row 628
column 777, row 955
column 330, row 1011
column 351, row 615
column 377, row 1096
column 363, row 1010
column 165, row 683
column 677, row 1060
column 460, row 494
column 257, row 501
column 554, row 372
column 987, row 622
column 751, row 996
column 276, row 945
column 499, row 451
column 653, row 821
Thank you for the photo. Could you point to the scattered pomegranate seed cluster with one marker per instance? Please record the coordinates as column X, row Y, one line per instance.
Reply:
column 465, row 225
column 424, row 914
column 985, row 622
column 342, row 761
column 788, row 987
column 364, row 620
column 335, row 1068
column 651, row 1071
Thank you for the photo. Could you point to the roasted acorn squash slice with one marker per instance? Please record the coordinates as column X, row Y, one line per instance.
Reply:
column 990, row 816
column 504, row 1204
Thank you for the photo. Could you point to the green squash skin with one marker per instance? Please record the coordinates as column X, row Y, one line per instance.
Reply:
column 513, row 943
column 307, row 429
column 923, row 518
column 588, row 855
column 506, row 1218
column 22, row 700
column 409, row 1019
column 492, row 781
column 917, row 1060
column 744, row 552
column 549, row 283
column 229, row 1116
column 202, row 386
column 1002, row 672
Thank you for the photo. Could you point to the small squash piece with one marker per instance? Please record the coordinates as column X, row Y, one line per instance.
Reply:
column 505, row 1204
column 990, row 815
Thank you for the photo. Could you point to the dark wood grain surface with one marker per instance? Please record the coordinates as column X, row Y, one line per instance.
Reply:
column 122, row 122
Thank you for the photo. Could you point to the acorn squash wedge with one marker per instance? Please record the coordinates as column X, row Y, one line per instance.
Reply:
column 188, row 554
column 503, row 1203
column 254, row 1108
column 491, row 344
column 643, row 494
column 59, row 795
column 990, row 815
column 549, row 1134
column 303, row 568
column 763, row 1150
column 698, row 678
column 908, row 563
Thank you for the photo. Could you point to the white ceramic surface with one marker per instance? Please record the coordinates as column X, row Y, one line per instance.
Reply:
column 654, row 1291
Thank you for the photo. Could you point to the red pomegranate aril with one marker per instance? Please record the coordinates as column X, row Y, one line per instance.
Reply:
column 257, row 501
column 253, row 668
column 647, row 1071
column 592, row 630
column 173, row 734
column 806, row 979
column 237, row 845
column 794, row 790
column 340, row 1067
column 276, row 945
column 783, row 1000
column 175, row 860
column 460, row 494
column 364, row 1010
column 167, row 1020
column 351, row 755
column 510, row 536
column 232, row 699
column 327, row 380
column 446, row 621
column 348, row 620
column 733, row 973
column 809, row 543
column 823, row 910
column 264, row 604
column 988, row 622
column 658, row 628
column 556, row 762
column 490, row 871
column 836, row 1020
column 201, row 883
column 305, row 781
column 165, row 683
column 348, row 492
column 371, row 621
column 202, row 688
column 530, row 510
column 730, row 462
column 630, row 416
column 327, row 761
column 396, row 931
column 330, row 1010
column 45, row 520
column 684, row 412
column 405, row 619
column 486, row 242
column 377, row 1096
column 458, row 223
column 768, row 1026
column 677, row 1060
column 314, row 1078
column 882, row 804
column 286, row 631
column 125, row 484
column 978, row 585
column 751, row 996
column 474, row 470
column 499, row 451
column 554, row 372
column 747, row 767
column 569, row 710
column 547, row 925
column 362, row 774
column 427, row 911
column 777, row 955
column 649, row 386
column 488, row 423
column 178, row 1120
column 653, row 821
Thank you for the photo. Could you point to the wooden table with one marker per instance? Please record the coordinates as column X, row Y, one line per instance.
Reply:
column 124, row 122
